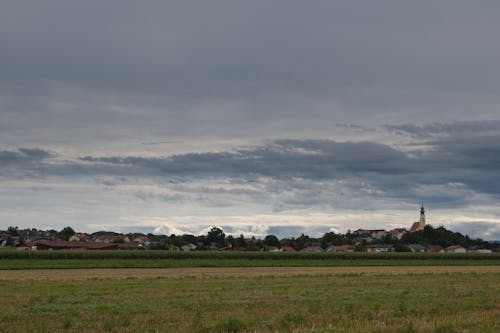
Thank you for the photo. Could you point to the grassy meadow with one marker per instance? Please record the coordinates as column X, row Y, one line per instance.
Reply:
column 437, row 302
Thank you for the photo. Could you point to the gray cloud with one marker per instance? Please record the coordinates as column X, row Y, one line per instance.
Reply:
column 456, row 128
column 161, row 71
column 24, row 155
column 283, row 158
column 384, row 102
column 23, row 162
column 449, row 173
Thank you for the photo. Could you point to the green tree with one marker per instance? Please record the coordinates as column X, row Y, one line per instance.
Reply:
column 240, row 242
column 229, row 241
column 272, row 240
column 332, row 238
column 216, row 235
column 66, row 233
column 13, row 231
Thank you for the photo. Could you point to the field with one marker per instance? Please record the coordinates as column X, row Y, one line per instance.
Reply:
column 161, row 291
column 165, row 259
column 301, row 299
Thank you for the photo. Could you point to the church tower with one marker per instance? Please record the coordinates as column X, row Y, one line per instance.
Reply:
column 422, row 216
column 420, row 225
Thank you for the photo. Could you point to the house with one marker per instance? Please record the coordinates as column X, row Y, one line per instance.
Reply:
column 129, row 246
column 65, row 245
column 435, row 249
column 455, row 249
column 398, row 232
column 287, row 249
column 270, row 248
column 312, row 249
column 142, row 240
column 475, row 249
column 79, row 238
column 189, row 247
column 417, row 248
column 370, row 234
column 341, row 248
column 112, row 239
column 379, row 248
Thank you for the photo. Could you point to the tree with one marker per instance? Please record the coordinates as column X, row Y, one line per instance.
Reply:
column 272, row 240
column 240, row 242
column 216, row 235
column 301, row 242
column 187, row 238
column 229, row 241
column 66, row 233
column 13, row 231
column 401, row 248
column 331, row 238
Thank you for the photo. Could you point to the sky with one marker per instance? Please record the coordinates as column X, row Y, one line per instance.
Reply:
column 259, row 117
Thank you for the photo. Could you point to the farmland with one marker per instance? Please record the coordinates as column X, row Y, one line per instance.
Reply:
column 161, row 291
column 322, row 299
column 165, row 259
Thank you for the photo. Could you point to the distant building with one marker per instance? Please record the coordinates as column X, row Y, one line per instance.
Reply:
column 456, row 249
column 79, row 238
column 478, row 250
column 398, row 232
column 112, row 239
column 368, row 234
column 65, row 245
column 420, row 225
column 435, row 249
column 142, row 240
column 417, row 248
column 312, row 249
column 341, row 248
column 189, row 247
column 379, row 248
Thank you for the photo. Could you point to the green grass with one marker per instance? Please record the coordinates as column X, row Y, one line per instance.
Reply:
column 164, row 259
column 208, row 262
column 163, row 254
column 303, row 303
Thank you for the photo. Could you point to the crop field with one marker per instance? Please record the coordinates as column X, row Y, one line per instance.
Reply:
column 286, row 299
column 165, row 259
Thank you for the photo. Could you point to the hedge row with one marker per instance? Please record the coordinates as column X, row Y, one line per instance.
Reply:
column 162, row 254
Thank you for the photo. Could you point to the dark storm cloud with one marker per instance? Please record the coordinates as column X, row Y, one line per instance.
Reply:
column 457, row 128
column 315, row 159
column 466, row 164
column 23, row 156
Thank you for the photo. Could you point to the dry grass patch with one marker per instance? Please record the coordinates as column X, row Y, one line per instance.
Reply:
column 200, row 272
column 238, row 301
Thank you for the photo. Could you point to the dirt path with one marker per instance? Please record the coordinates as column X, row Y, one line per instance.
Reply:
column 123, row 273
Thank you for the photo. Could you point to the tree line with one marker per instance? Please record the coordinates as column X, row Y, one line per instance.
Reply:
column 217, row 239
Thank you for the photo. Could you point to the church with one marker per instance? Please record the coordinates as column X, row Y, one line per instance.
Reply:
column 420, row 225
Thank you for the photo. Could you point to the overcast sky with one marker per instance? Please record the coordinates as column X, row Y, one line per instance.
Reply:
column 256, row 116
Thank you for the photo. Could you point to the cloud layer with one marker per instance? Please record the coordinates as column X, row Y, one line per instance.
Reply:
column 123, row 114
column 443, row 170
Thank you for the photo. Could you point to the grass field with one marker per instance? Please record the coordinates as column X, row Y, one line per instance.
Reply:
column 392, row 299
column 164, row 259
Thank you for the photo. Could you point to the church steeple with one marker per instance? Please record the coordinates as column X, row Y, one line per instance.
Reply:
column 422, row 215
column 420, row 225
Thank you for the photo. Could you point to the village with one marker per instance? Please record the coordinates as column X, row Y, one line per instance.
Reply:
column 420, row 237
